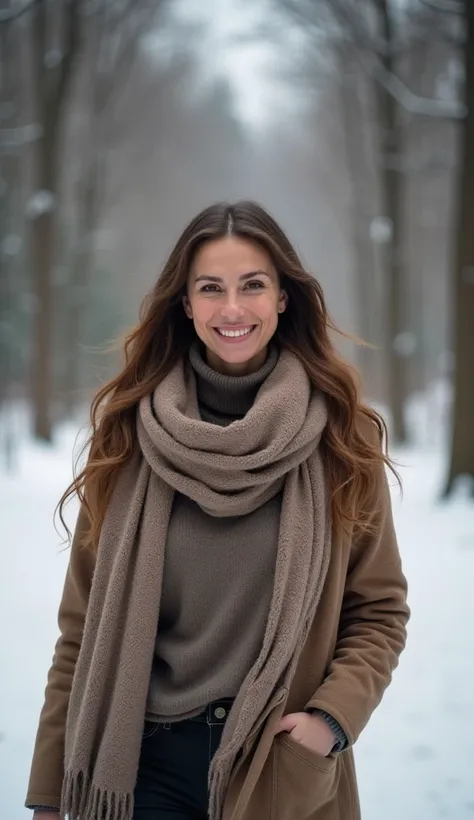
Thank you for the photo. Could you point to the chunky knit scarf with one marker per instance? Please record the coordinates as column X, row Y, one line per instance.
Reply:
column 227, row 471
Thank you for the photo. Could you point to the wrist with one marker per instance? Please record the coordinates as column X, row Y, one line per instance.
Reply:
column 340, row 738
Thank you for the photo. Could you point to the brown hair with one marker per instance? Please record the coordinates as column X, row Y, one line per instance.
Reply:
column 351, row 443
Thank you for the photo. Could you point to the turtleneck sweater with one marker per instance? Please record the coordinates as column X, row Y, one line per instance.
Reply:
column 218, row 576
column 223, row 399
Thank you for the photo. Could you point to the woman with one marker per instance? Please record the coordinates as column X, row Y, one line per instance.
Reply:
column 234, row 604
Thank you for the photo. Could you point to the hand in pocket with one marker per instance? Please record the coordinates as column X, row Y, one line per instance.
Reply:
column 311, row 731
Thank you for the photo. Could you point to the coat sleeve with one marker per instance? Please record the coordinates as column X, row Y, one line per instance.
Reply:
column 47, row 769
column 372, row 626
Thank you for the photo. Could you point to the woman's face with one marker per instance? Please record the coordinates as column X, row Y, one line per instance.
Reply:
column 234, row 298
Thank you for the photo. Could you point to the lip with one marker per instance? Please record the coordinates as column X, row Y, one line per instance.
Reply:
column 234, row 339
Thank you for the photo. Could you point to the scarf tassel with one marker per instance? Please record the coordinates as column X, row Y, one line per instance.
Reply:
column 82, row 801
column 217, row 793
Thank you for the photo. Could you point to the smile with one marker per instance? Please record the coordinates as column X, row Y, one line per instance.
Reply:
column 235, row 334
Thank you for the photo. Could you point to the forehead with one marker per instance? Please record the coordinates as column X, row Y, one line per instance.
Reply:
column 230, row 256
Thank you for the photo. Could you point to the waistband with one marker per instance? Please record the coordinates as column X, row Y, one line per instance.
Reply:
column 215, row 713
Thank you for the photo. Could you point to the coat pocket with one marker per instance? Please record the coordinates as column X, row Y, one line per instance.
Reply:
column 305, row 782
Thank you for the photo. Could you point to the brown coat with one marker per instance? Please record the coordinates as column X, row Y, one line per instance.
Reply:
column 346, row 665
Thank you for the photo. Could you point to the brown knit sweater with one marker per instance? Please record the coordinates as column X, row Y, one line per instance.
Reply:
column 218, row 577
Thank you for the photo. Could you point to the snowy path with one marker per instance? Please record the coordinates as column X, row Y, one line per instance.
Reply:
column 416, row 758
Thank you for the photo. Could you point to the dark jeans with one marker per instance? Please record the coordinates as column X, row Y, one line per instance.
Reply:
column 174, row 766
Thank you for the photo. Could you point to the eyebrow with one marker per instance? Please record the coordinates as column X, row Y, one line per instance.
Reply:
column 242, row 278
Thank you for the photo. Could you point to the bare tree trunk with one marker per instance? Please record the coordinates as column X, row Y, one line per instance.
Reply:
column 391, row 189
column 113, row 35
column 89, row 200
column 462, row 449
column 361, row 216
column 11, row 234
column 43, row 244
column 51, row 84
column 6, row 183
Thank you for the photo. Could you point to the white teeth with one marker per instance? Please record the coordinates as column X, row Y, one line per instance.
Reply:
column 234, row 333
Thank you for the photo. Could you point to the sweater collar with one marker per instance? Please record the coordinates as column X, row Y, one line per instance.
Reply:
column 230, row 396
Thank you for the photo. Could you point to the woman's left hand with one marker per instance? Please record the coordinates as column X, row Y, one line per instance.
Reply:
column 310, row 730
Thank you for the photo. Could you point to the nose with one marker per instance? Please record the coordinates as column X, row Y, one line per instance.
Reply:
column 232, row 310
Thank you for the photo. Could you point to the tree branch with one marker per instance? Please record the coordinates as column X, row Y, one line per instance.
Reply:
column 412, row 103
column 445, row 6
column 117, row 33
column 38, row 48
column 72, row 35
column 370, row 52
column 10, row 15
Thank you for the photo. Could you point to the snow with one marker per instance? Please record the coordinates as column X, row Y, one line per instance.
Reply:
column 40, row 203
column 414, row 760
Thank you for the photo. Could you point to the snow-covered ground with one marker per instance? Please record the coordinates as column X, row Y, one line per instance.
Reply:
column 416, row 758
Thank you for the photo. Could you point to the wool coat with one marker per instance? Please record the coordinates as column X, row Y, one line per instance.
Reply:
column 351, row 651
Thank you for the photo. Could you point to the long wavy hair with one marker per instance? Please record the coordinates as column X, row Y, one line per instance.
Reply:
column 351, row 445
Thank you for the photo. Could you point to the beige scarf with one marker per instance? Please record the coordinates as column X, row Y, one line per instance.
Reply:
column 227, row 471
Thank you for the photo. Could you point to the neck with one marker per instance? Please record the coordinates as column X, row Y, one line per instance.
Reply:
column 236, row 368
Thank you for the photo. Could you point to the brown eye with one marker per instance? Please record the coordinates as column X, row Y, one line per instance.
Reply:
column 255, row 285
column 209, row 289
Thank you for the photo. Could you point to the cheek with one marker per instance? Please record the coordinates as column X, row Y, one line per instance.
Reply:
column 267, row 309
column 202, row 312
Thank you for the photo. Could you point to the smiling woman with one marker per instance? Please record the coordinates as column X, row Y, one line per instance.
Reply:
column 234, row 297
column 234, row 604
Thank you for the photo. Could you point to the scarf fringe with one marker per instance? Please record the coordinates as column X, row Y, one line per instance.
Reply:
column 222, row 765
column 219, row 781
column 81, row 800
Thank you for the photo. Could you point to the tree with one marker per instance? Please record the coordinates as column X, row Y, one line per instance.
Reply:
column 391, row 202
column 462, row 446
column 358, row 133
column 57, row 33
column 363, row 36
column 377, row 35
column 14, row 137
column 112, row 36
column 53, row 62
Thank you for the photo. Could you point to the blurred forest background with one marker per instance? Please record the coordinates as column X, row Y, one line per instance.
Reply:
column 352, row 121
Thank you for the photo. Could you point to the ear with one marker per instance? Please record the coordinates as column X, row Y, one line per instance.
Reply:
column 187, row 307
column 282, row 301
